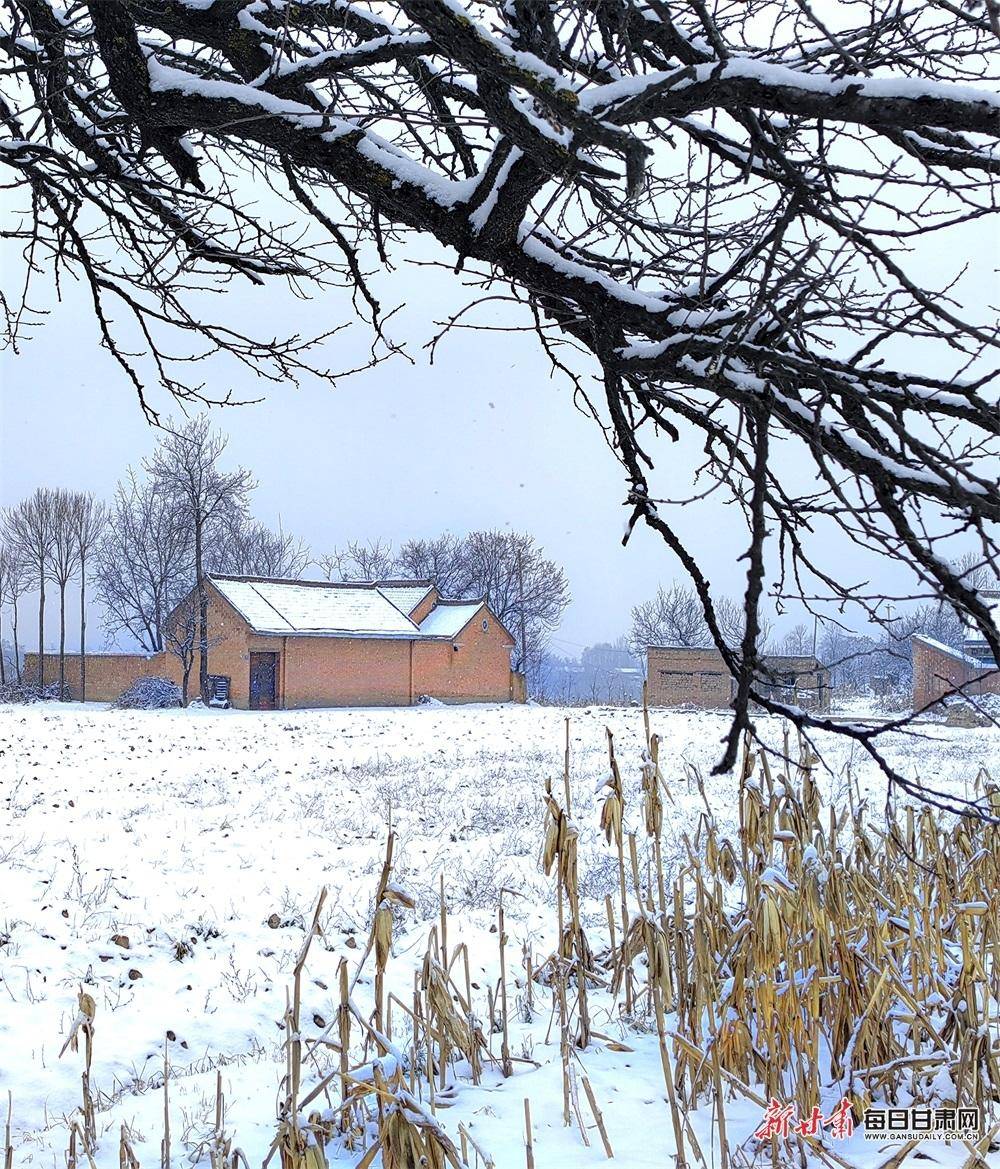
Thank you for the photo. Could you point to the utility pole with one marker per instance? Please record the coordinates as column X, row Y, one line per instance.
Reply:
column 524, row 650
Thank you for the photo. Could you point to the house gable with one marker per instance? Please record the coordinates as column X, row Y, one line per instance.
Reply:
column 451, row 619
column 413, row 598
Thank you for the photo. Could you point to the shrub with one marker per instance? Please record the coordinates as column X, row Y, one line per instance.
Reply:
column 150, row 694
column 18, row 693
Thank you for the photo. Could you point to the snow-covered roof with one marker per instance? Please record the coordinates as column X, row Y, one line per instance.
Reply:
column 405, row 595
column 449, row 618
column 343, row 609
column 972, row 632
column 306, row 607
column 950, row 650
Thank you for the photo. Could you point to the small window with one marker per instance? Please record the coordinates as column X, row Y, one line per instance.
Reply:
column 486, row 624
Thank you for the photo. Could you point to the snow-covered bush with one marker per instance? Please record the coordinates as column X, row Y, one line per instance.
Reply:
column 18, row 693
column 150, row 694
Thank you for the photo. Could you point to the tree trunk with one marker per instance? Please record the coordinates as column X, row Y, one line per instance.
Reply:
column 3, row 660
column 62, row 641
column 185, row 680
column 17, row 649
column 83, row 627
column 41, row 624
column 202, row 618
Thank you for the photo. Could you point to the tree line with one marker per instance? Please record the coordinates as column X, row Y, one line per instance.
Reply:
column 181, row 517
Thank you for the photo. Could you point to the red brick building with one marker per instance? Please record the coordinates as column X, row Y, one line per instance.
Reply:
column 698, row 676
column 295, row 643
column 938, row 670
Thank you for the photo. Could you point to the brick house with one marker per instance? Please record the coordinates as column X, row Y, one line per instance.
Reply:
column 698, row 676
column 939, row 669
column 296, row 643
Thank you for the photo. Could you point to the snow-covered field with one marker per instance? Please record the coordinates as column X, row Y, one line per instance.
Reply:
column 168, row 862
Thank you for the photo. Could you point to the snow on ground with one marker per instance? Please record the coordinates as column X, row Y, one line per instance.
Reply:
column 200, row 840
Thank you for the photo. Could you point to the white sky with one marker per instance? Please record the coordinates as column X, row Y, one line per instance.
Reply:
column 481, row 438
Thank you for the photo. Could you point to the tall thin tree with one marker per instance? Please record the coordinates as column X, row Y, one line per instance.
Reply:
column 186, row 466
column 14, row 583
column 31, row 528
column 62, row 565
column 8, row 567
column 89, row 524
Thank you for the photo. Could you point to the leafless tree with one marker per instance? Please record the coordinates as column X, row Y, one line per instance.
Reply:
column 439, row 560
column 706, row 214
column 185, row 467
column 180, row 637
column 245, row 547
column 6, row 570
column 360, row 560
column 144, row 562
column 797, row 642
column 89, row 521
column 525, row 589
column 850, row 657
column 30, row 528
column 14, row 583
column 63, row 564
column 675, row 616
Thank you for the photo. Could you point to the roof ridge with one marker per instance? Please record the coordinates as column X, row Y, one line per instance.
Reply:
column 322, row 584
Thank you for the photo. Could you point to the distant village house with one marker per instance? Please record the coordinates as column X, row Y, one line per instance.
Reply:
column 698, row 676
column 940, row 669
column 292, row 643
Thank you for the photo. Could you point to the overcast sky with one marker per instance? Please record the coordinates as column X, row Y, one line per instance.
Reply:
column 481, row 438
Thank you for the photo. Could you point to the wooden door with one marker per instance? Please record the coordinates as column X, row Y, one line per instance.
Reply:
column 263, row 681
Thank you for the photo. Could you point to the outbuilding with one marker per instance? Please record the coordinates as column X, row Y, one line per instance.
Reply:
column 681, row 675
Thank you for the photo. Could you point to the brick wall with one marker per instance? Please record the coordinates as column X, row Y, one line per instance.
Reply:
column 108, row 675
column 938, row 669
column 797, row 680
column 228, row 650
column 478, row 670
column 680, row 676
column 343, row 671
